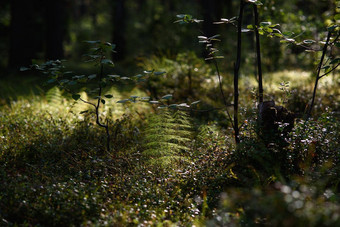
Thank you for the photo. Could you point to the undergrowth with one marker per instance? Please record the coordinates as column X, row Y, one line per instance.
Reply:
column 53, row 170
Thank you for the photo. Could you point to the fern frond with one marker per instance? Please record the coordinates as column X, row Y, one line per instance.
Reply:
column 54, row 97
column 166, row 137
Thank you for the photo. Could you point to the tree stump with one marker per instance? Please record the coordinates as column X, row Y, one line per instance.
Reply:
column 275, row 122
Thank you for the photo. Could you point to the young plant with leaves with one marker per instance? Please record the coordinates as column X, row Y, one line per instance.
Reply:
column 68, row 81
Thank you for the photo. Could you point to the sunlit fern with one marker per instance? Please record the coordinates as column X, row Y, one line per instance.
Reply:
column 166, row 139
column 54, row 97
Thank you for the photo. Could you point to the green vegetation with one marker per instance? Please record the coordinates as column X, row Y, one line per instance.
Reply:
column 242, row 131
column 54, row 171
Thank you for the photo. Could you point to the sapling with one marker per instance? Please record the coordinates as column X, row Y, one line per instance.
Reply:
column 67, row 80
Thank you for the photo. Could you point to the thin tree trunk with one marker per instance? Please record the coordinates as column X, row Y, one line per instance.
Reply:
column 119, row 25
column 318, row 74
column 236, row 71
column 258, row 54
column 55, row 29
column 26, row 32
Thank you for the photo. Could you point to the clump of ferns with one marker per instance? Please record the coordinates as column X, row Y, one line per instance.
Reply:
column 167, row 139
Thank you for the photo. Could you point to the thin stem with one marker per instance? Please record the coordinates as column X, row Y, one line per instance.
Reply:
column 258, row 53
column 325, row 74
column 318, row 74
column 106, row 126
column 90, row 103
column 222, row 92
column 236, row 72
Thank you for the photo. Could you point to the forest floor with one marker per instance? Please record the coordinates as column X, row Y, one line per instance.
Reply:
column 168, row 167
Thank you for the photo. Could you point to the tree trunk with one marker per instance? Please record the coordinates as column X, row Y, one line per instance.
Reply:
column 26, row 35
column 55, row 29
column 118, row 16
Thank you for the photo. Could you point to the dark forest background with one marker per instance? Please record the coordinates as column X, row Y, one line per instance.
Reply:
column 49, row 30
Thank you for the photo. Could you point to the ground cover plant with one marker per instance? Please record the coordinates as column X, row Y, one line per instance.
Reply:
column 179, row 140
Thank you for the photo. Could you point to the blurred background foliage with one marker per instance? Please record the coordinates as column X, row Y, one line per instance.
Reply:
column 39, row 29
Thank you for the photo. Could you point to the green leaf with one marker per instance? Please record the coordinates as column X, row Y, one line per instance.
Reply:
column 107, row 62
column 245, row 30
column 123, row 101
column 335, row 61
column 183, row 105
column 76, row 96
column 92, row 76
column 24, row 69
column 145, row 98
column 159, row 73
column 288, row 33
column 274, row 25
column 83, row 112
column 51, row 81
column 181, row 16
column 92, row 41
column 265, row 24
column 72, row 82
column 167, row 97
column 308, row 41
column 173, row 106
column 148, row 71
column 195, row 103
column 78, row 77
column 125, row 78
column 114, row 76
column 64, row 81
column 154, row 102
column 256, row 2
column 134, row 96
column 268, row 29
column 139, row 76
column 108, row 96
column 250, row 26
column 337, row 17
column 103, row 101
column 332, row 28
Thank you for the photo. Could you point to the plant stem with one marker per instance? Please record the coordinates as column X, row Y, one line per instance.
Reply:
column 221, row 89
column 236, row 71
column 106, row 126
column 318, row 74
column 258, row 53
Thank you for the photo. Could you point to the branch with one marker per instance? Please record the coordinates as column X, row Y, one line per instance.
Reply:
column 90, row 103
column 329, row 71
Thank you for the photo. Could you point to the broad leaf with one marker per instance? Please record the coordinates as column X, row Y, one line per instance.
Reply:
column 335, row 61
column 24, row 69
column 159, row 73
column 195, row 103
column 92, row 41
column 92, row 76
column 108, row 96
column 167, row 97
column 123, row 101
column 107, row 62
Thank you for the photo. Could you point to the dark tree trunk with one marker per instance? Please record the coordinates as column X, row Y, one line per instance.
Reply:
column 56, row 21
column 118, row 15
column 26, row 35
